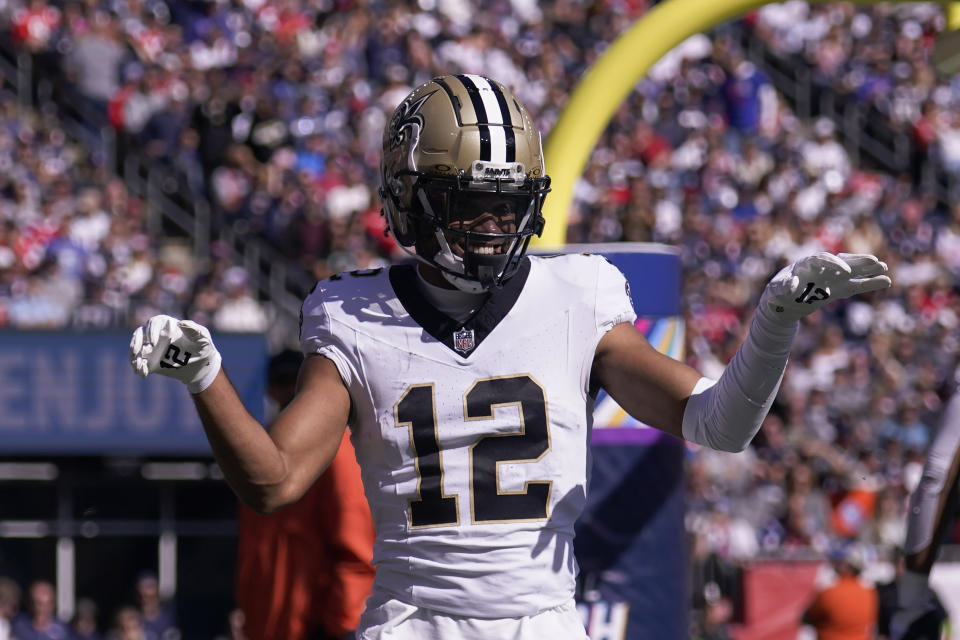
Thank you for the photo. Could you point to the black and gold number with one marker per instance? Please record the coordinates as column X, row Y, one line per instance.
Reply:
column 416, row 410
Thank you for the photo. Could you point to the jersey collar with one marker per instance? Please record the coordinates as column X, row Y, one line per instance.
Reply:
column 403, row 279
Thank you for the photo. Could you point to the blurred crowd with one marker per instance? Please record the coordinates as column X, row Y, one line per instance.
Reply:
column 74, row 250
column 273, row 111
column 32, row 615
column 878, row 58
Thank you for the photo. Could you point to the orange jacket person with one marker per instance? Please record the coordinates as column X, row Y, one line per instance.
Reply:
column 846, row 610
column 304, row 571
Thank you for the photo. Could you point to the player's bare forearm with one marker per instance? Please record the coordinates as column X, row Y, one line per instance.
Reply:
column 250, row 460
column 184, row 350
column 650, row 386
column 268, row 470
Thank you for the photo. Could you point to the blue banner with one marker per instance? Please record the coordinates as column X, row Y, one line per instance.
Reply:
column 631, row 544
column 76, row 394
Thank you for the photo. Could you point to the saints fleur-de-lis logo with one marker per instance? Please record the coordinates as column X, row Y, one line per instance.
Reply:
column 407, row 116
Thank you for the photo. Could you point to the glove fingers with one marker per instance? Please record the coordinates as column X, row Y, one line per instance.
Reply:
column 864, row 264
column 137, row 361
column 157, row 326
column 856, row 258
column 825, row 262
column 866, row 285
column 136, row 342
column 161, row 331
column 151, row 332
column 875, row 269
column 194, row 331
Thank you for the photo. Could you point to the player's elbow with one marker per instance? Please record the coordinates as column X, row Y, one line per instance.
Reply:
column 262, row 504
column 266, row 499
column 731, row 447
column 265, row 509
column 715, row 436
column 260, row 508
column 721, row 440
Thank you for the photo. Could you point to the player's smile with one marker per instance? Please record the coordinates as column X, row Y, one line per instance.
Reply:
column 485, row 223
column 485, row 249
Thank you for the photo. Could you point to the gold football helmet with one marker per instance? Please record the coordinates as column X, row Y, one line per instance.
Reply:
column 459, row 148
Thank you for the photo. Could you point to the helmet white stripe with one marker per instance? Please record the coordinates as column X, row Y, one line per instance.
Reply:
column 498, row 144
column 490, row 104
column 495, row 115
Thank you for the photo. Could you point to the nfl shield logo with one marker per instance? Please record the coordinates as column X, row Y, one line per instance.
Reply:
column 463, row 340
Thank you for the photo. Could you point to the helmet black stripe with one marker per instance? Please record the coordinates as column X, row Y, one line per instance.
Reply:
column 486, row 152
column 473, row 91
column 454, row 100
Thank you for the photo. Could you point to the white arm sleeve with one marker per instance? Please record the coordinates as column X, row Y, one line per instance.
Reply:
column 929, row 507
column 726, row 414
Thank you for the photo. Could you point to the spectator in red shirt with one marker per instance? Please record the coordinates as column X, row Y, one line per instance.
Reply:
column 34, row 25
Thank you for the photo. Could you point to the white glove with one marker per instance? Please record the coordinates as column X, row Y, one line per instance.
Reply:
column 179, row 349
column 808, row 284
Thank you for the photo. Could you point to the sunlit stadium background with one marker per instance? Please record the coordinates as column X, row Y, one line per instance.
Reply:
column 211, row 160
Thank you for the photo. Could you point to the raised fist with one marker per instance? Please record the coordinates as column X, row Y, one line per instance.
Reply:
column 179, row 349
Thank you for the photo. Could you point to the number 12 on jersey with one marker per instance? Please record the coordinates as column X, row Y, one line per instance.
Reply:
column 416, row 411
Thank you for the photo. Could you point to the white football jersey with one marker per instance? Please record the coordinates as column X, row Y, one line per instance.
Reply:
column 473, row 438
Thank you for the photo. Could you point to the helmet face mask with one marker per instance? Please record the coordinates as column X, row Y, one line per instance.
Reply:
column 463, row 181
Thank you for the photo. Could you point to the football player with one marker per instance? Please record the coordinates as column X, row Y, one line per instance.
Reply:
column 468, row 378
column 920, row 615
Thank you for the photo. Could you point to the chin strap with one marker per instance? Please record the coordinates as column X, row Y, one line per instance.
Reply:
column 467, row 286
column 454, row 269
